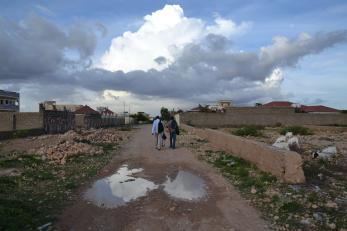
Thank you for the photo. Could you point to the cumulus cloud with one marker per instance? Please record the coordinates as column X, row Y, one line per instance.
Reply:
column 170, row 58
column 163, row 34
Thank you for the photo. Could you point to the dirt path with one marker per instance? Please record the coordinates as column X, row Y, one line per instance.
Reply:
column 221, row 209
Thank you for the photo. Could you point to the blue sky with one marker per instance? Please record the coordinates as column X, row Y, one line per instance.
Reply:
column 318, row 77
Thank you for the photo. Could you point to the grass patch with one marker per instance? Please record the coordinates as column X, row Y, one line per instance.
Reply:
column 291, row 207
column 239, row 170
column 296, row 130
column 250, row 130
column 39, row 194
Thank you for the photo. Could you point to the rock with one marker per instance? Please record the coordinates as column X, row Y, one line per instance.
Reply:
column 276, row 218
column 289, row 135
column 318, row 216
column 331, row 204
column 253, row 190
column 305, row 222
column 326, row 153
column 331, row 226
column 287, row 142
column 314, row 206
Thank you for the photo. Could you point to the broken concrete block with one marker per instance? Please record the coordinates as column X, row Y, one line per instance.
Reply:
column 326, row 153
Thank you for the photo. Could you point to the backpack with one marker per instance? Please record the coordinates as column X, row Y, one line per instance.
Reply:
column 177, row 130
column 160, row 127
column 175, row 127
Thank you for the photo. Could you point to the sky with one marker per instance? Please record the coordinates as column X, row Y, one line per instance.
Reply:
column 142, row 55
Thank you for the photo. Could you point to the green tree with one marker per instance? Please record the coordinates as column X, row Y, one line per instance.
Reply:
column 165, row 114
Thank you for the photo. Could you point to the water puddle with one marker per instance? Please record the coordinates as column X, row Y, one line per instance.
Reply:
column 185, row 186
column 119, row 188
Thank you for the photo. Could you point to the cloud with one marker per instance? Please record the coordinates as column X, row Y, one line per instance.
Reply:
column 37, row 47
column 164, row 33
column 170, row 58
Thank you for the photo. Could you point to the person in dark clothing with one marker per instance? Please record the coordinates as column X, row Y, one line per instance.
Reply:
column 173, row 128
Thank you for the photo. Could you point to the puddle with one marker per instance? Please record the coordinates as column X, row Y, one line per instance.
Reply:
column 119, row 188
column 185, row 186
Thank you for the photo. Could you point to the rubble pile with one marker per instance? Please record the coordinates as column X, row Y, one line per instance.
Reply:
column 59, row 153
column 101, row 136
column 287, row 142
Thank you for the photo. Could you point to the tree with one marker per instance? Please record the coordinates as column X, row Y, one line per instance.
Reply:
column 140, row 116
column 165, row 114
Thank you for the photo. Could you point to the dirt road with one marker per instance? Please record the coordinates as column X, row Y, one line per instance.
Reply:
column 181, row 193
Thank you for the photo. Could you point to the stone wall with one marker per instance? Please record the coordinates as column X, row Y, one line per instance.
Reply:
column 285, row 165
column 10, row 121
column 260, row 116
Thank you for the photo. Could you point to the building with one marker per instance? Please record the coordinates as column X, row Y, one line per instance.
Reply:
column 301, row 108
column 53, row 106
column 278, row 104
column 319, row 109
column 105, row 112
column 86, row 110
column 9, row 101
column 224, row 103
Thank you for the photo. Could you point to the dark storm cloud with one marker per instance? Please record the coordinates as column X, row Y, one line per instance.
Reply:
column 36, row 47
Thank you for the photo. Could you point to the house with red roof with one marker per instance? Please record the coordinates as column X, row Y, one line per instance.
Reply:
column 319, row 109
column 301, row 108
column 86, row 110
column 105, row 112
column 279, row 104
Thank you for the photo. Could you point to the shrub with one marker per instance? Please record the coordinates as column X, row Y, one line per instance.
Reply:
column 249, row 131
column 296, row 130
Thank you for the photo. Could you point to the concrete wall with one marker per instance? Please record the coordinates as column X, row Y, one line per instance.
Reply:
column 23, row 121
column 285, row 165
column 82, row 121
column 260, row 116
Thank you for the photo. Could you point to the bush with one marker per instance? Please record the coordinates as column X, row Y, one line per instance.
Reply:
column 296, row 130
column 249, row 131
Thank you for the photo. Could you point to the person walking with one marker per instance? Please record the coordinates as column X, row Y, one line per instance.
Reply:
column 173, row 131
column 157, row 130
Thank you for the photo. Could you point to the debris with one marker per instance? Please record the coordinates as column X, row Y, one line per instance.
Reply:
column 331, row 226
column 10, row 172
column 287, row 142
column 326, row 153
column 42, row 227
column 318, row 216
column 331, row 204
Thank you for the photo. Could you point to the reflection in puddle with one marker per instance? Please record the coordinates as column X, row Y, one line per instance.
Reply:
column 119, row 188
column 185, row 186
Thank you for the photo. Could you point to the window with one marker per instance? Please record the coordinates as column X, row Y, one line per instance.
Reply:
column 6, row 102
column 1, row 101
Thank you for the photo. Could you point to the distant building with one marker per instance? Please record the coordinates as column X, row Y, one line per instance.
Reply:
column 105, row 112
column 9, row 101
column 86, row 110
column 224, row 103
column 301, row 108
column 278, row 104
column 53, row 106
column 319, row 109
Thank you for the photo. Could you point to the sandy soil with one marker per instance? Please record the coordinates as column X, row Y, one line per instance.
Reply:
column 223, row 209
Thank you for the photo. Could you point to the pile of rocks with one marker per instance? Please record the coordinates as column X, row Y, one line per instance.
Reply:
column 59, row 153
column 104, row 136
column 96, row 136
